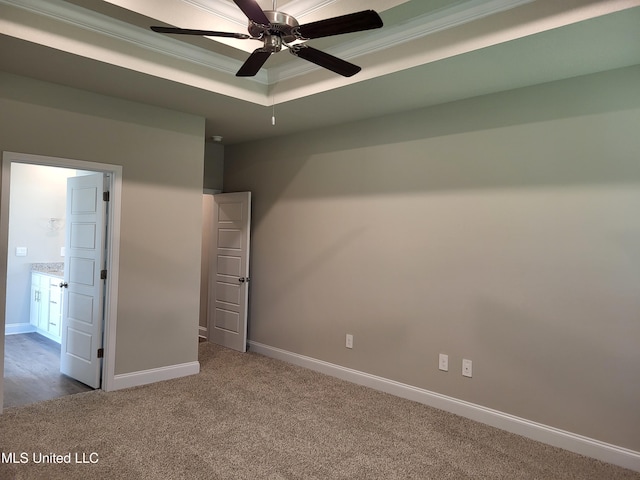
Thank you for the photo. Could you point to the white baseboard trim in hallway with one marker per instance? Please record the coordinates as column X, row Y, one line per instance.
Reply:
column 143, row 377
column 202, row 332
column 536, row 431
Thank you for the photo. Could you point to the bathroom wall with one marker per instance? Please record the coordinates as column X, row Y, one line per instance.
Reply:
column 36, row 222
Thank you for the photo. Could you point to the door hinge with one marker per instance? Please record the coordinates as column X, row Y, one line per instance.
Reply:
column 103, row 274
column 100, row 352
column 105, row 196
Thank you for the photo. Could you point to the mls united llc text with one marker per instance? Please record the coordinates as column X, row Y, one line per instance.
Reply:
column 39, row 457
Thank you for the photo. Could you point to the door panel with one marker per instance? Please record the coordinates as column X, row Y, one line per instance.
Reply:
column 82, row 271
column 230, row 266
column 79, row 344
column 83, row 235
column 83, row 305
column 230, row 270
column 80, row 308
column 227, row 320
column 227, row 292
column 230, row 238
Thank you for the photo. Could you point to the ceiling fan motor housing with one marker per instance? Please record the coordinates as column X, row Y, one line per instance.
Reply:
column 282, row 26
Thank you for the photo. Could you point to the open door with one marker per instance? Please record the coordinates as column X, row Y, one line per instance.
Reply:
column 82, row 319
column 230, row 270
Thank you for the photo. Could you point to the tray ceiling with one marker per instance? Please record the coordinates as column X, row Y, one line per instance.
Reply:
column 426, row 53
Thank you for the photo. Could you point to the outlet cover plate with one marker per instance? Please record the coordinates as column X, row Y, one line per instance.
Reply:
column 467, row 368
column 443, row 362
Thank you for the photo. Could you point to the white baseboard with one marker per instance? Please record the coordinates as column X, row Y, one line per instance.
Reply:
column 143, row 377
column 589, row 447
column 18, row 328
column 202, row 332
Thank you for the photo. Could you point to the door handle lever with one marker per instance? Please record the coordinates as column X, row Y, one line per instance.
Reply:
column 64, row 284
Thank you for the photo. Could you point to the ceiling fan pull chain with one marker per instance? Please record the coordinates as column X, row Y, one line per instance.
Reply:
column 273, row 112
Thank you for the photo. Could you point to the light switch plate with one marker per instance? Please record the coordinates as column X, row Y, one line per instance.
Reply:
column 349, row 341
column 21, row 251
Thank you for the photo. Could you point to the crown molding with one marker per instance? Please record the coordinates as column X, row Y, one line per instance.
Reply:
column 103, row 25
column 413, row 29
column 366, row 43
column 371, row 42
column 302, row 8
column 229, row 11
column 224, row 10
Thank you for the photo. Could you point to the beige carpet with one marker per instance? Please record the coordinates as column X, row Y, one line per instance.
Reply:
column 246, row 416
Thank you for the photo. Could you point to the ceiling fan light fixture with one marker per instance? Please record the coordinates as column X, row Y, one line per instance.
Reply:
column 272, row 43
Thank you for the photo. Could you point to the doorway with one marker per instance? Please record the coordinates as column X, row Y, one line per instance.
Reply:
column 48, row 176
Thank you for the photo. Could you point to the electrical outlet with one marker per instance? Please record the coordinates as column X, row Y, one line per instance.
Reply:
column 467, row 368
column 443, row 362
column 349, row 341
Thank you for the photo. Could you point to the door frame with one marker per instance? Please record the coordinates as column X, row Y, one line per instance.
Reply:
column 207, row 219
column 112, row 252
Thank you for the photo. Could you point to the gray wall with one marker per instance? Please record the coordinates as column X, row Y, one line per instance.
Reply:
column 213, row 165
column 162, row 153
column 503, row 229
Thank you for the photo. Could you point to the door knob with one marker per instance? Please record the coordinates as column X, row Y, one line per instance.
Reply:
column 243, row 279
column 64, row 284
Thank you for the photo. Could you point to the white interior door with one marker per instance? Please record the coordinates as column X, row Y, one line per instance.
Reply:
column 230, row 270
column 83, row 295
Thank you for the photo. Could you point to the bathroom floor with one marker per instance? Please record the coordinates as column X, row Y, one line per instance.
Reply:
column 32, row 371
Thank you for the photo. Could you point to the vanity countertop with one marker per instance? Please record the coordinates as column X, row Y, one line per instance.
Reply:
column 55, row 269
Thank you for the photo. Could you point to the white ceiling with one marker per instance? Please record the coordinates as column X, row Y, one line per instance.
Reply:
column 428, row 52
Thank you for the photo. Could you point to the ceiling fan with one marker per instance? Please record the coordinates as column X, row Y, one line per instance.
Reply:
column 277, row 30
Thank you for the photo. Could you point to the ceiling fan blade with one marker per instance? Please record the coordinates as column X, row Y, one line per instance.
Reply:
column 253, row 11
column 207, row 33
column 335, row 64
column 353, row 22
column 254, row 63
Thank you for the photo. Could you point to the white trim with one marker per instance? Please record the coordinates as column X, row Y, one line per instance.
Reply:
column 104, row 25
column 224, row 10
column 391, row 36
column 202, row 332
column 113, row 262
column 589, row 447
column 18, row 328
column 144, row 377
column 418, row 27
column 113, row 243
column 227, row 11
